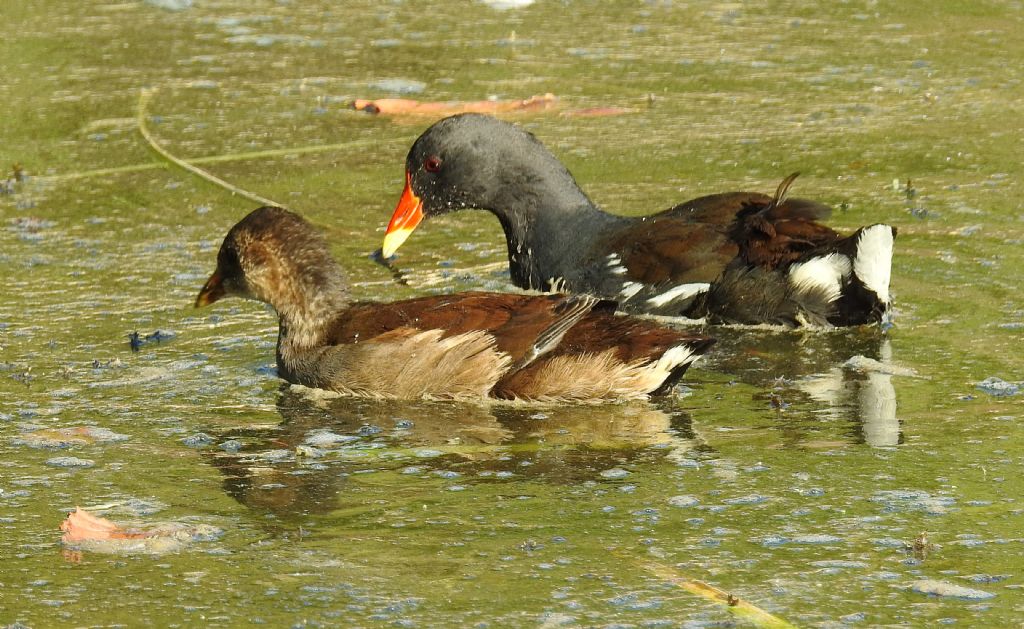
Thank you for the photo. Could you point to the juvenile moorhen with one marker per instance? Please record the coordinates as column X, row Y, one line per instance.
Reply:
column 735, row 257
column 466, row 345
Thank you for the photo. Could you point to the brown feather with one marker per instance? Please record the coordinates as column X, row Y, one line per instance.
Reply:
column 467, row 345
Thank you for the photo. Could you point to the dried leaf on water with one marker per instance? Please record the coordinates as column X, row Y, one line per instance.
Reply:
column 81, row 525
column 84, row 531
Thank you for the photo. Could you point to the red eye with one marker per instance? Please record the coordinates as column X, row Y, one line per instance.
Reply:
column 432, row 164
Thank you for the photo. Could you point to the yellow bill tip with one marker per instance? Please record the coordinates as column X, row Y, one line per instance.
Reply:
column 393, row 240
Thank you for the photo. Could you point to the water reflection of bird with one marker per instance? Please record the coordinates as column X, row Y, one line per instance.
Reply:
column 845, row 378
column 466, row 345
column 738, row 257
column 481, row 443
column 862, row 391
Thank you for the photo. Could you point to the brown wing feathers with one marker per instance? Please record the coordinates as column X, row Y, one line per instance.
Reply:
column 762, row 230
column 779, row 232
column 459, row 345
column 532, row 330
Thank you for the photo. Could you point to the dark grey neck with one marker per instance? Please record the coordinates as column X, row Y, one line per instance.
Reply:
column 544, row 248
column 548, row 237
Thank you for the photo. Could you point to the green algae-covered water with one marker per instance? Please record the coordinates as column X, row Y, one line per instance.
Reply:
column 856, row 477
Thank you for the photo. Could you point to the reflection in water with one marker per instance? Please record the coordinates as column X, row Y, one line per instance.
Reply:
column 850, row 371
column 303, row 464
column 862, row 392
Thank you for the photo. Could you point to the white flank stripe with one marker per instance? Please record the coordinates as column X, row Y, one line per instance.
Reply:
column 629, row 289
column 873, row 263
column 683, row 291
column 825, row 273
column 615, row 264
column 556, row 284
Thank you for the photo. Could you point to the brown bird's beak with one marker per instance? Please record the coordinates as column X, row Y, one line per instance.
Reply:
column 212, row 290
column 407, row 216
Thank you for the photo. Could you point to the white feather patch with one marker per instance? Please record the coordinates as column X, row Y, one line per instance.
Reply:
column 615, row 264
column 825, row 274
column 629, row 289
column 683, row 291
column 653, row 375
column 556, row 284
column 873, row 263
column 675, row 358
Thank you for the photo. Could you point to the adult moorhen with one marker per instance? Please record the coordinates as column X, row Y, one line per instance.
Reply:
column 740, row 257
column 466, row 345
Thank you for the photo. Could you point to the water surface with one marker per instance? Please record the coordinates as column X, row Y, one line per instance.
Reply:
column 793, row 470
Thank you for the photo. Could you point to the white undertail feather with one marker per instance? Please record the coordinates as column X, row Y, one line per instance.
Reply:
column 683, row 291
column 873, row 263
column 674, row 358
column 826, row 274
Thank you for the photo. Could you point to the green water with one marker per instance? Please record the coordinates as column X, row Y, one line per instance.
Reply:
column 778, row 475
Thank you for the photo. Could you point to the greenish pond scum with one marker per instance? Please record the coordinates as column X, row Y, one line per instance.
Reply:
column 845, row 478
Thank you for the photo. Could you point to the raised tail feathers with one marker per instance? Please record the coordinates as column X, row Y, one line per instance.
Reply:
column 872, row 264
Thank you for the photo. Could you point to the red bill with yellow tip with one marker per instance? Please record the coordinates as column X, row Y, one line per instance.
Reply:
column 407, row 216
